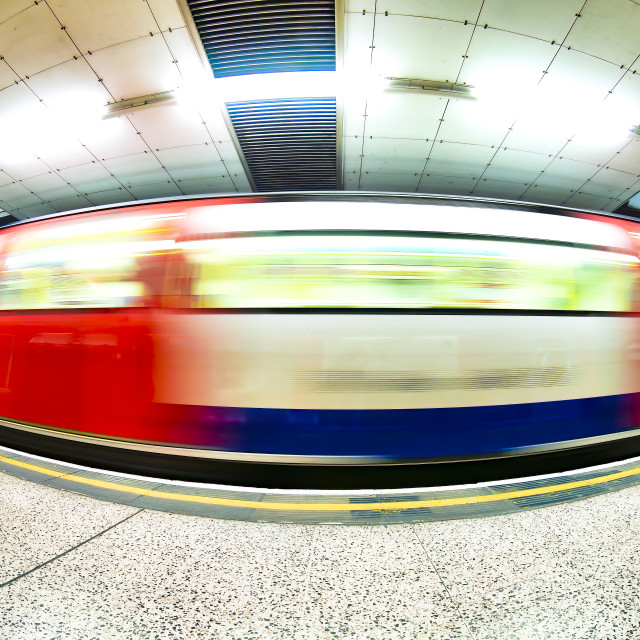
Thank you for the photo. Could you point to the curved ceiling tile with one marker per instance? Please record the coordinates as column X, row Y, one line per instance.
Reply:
column 458, row 11
column 7, row 75
column 169, row 126
column 608, row 29
column 32, row 41
column 96, row 24
column 167, row 15
column 431, row 49
column 185, row 163
column 136, row 68
column 546, row 19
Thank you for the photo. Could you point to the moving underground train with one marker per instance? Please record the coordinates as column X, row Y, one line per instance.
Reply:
column 317, row 329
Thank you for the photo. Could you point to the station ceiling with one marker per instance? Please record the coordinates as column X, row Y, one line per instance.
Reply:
column 105, row 102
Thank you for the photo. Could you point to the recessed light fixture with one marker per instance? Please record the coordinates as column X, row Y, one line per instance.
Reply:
column 453, row 90
column 131, row 105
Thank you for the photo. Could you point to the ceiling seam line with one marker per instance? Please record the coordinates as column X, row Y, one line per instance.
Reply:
column 366, row 101
column 426, row 162
column 557, row 154
column 544, row 72
column 202, row 120
column 466, row 52
column 105, row 88
column 598, row 170
column 446, row 106
column 555, row 55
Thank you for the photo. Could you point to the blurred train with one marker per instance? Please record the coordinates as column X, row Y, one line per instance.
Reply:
column 326, row 329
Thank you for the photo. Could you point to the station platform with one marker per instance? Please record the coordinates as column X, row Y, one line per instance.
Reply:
column 94, row 555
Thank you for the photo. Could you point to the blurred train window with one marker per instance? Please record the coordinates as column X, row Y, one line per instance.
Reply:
column 356, row 269
column 92, row 261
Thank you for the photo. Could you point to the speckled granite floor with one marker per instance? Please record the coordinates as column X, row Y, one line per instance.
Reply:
column 73, row 567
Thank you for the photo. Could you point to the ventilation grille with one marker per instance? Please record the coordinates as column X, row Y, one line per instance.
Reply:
column 288, row 144
column 408, row 381
column 244, row 36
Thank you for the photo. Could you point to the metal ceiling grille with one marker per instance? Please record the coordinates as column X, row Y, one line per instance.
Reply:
column 244, row 36
column 288, row 144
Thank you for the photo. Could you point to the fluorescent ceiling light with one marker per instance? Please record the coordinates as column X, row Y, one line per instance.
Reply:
column 451, row 90
column 131, row 105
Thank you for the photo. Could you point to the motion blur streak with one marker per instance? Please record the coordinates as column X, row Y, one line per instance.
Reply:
column 328, row 326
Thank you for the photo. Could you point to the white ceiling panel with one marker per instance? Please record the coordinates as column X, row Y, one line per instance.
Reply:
column 458, row 11
column 354, row 108
column 473, row 123
column 19, row 168
column 501, row 63
column 207, row 185
column 388, row 182
column 10, row 8
column 588, row 149
column 73, row 202
column 624, row 100
column 156, row 190
column 352, row 149
column 111, row 196
column 612, row 180
column 449, row 152
column 113, row 138
column 453, row 169
column 5, row 179
column 516, row 163
column 459, row 160
column 498, row 189
column 445, row 185
column 70, row 87
column 608, row 29
column 583, row 75
column 564, row 173
column 192, row 162
column 428, row 48
column 227, row 151
column 533, row 140
column 401, row 115
column 36, row 210
column 628, row 158
column 587, row 201
column 60, row 157
column 15, row 196
column 32, row 41
column 96, row 24
column 546, row 19
column 512, row 174
column 166, row 14
column 358, row 31
column 184, row 51
column 141, row 168
column 136, row 68
column 548, row 195
column 7, row 75
column 358, row 6
column 169, row 126
column 89, row 177
column 49, row 186
column 388, row 155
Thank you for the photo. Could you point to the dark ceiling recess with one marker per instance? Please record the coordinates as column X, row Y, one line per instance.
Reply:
column 626, row 210
column 244, row 36
column 289, row 145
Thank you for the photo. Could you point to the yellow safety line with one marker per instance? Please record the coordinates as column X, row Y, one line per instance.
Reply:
column 328, row 506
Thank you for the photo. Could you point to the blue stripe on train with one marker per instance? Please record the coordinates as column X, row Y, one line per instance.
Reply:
column 412, row 433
